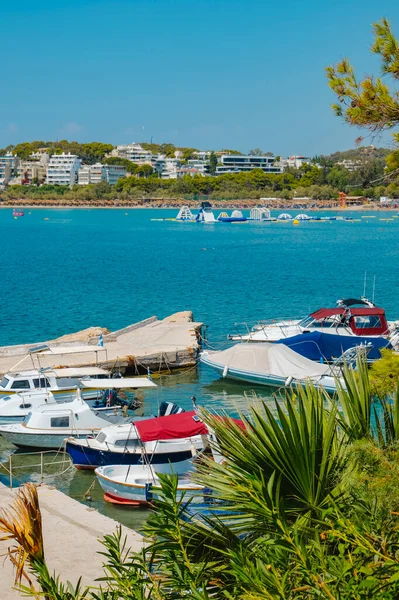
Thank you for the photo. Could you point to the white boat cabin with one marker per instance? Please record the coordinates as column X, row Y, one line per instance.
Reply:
column 49, row 380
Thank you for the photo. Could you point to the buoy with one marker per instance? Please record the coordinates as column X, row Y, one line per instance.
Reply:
column 225, row 371
column 295, row 222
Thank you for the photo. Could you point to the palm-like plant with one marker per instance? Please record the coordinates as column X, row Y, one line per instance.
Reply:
column 290, row 458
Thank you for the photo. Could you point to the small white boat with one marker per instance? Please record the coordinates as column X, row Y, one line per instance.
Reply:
column 48, row 426
column 14, row 408
column 140, row 483
column 61, row 382
column 274, row 365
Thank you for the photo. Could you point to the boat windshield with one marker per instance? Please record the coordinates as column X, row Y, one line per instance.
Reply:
column 4, row 382
column 305, row 322
column 367, row 322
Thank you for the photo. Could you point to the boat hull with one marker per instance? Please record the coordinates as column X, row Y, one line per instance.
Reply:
column 84, row 457
column 48, row 441
column 141, row 489
column 328, row 383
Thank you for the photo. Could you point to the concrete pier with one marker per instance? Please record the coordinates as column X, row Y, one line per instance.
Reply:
column 71, row 533
column 170, row 343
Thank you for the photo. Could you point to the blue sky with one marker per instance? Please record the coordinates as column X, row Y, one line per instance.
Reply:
column 202, row 73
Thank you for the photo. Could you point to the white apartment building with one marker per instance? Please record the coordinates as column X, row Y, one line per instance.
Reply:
column 63, row 169
column 236, row 163
column 350, row 165
column 297, row 161
column 135, row 153
column 202, row 166
column 33, row 170
column 113, row 173
column 167, row 167
column 8, row 167
column 91, row 174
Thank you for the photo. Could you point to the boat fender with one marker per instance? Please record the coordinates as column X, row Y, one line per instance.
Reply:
column 225, row 371
column 148, row 492
column 288, row 381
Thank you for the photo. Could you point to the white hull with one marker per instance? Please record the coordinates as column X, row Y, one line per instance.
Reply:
column 273, row 365
column 51, row 441
column 141, row 484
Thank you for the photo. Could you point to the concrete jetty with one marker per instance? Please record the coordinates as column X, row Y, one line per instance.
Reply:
column 154, row 344
column 71, row 534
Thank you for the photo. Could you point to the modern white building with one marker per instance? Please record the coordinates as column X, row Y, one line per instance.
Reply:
column 202, row 166
column 91, row 174
column 297, row 161
column 135, row 153
column 33, row 170
column 8, row 168
column 113, row 173
column 350, row 165
column 236, row 163
column 63, row 169
column 167, row 167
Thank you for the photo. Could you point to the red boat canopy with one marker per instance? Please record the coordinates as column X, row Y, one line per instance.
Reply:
column 323, row 313
column 363, row 321
column 173, row 427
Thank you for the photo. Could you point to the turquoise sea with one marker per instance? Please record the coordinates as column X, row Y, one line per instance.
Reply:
column 65, row 270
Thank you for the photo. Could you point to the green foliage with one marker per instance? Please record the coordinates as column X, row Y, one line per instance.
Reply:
column 305, row 512
column 213, row 162
column 384, row 373
column 124, row 162
column 90, row 153
column 368, row 103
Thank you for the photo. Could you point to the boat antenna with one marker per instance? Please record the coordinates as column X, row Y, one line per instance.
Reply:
column 373, row 290
column 365, row 284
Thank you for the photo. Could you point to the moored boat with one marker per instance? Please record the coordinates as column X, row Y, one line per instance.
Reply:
column 172, row 438
column 350, row 317
column 273, row 365
column 141, row 484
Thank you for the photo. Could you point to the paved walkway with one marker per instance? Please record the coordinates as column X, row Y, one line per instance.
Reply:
column 71, row 539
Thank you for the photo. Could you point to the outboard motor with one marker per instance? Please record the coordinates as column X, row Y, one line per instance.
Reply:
column 170, row 408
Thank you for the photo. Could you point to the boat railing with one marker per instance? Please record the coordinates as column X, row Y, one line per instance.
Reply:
column 261, row 326
column 10, row 470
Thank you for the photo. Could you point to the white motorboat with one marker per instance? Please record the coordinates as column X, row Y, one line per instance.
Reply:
column 274, row 365
column 347, row 318
column 140, row 484
column 49, row 424
column 62, row 382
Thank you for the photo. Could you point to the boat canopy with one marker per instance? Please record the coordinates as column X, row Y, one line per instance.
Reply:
column 364, row 321
column 187, row 424
column 46, row 350
column 354, row 301
column 173, row 427
column 317, row 345
column 75, row 371
column 122, row 383
column 268, row 359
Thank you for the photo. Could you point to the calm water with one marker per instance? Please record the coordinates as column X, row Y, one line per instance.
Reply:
column 80, row 268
